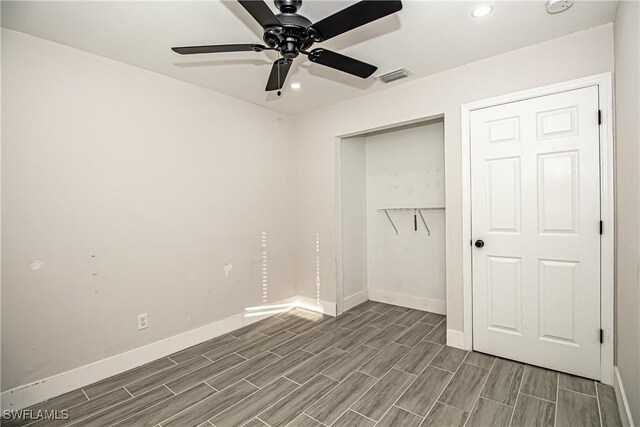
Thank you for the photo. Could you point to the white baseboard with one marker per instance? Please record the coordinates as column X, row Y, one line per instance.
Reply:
column 455, row 339
column 26, row 395
column 355, row 299
column 323, row 307
column 621, row 398
column 432, row 305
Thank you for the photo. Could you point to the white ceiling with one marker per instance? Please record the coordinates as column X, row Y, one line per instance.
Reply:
column 425, row 37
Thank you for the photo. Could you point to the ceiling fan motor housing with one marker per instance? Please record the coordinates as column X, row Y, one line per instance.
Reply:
column 291, row 37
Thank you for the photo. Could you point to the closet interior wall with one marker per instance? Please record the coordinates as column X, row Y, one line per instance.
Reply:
column 398, row 168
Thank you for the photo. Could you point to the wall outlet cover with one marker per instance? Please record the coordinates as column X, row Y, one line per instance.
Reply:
column 142, row 321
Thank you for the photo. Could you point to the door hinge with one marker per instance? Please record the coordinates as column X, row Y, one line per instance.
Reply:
column 601, row 336
column 601, row 227
column 599, row 117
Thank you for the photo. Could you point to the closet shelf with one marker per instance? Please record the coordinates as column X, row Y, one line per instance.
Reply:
column 416, row 212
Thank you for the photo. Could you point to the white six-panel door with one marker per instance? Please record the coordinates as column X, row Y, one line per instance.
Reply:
column 535, row 195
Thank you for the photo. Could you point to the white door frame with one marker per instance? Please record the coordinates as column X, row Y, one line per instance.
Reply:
column 603, row 82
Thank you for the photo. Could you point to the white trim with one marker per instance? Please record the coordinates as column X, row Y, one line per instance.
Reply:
column 603, row 81
column 455, row 338
column 621, row 399
column 340, row 303
column 425, row 304
column 324, row 307
column 355, row 299
column 341, row 300
column 39, row 391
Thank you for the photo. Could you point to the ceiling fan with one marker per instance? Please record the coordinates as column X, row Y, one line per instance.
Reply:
column 291, row 34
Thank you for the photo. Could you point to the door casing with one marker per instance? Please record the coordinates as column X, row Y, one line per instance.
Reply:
column 604, row 84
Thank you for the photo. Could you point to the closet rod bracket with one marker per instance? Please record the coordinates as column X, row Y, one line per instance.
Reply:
column 419, row 211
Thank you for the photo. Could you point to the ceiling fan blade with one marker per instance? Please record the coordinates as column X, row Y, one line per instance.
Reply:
column 276, row 79
column 352, row 17
column 340, row 62
column 220, row 48
column 261, row 13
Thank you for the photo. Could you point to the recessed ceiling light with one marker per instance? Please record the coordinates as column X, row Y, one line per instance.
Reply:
column 296, row 85
column 482, row 11
column 557, row 6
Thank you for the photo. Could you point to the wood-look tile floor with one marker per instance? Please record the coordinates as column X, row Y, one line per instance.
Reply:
column 377, row 364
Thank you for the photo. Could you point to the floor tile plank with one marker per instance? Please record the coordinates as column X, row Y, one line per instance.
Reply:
column 414, row 334
column 381, row 396
column 316, row 365
column 383, row 308
column 258, row 326
column 128, row 408
column 327, row 340
column 480, row 360
column 362, row 320
column 385, row 360
column 608, row 406
column 433, row 318
column 297, row 342
column 305, row 421
column 89, row 407
column 72, row 399
column 211, row 406
column 278, row 368
column 337, row 401
column 576, row 409
column 256, row 403
column 117, row 381
column 489, row 413
column 411, row 318
column 399, row 417
column 386, row 319
column 503, row 382
column 202, row 348
column 351, row 342
column 255, row 423
column 445, row 416
column 385, row 336
column 449, row 358
column 362, row 308
column 291, row 324
column 170, row 407
column 286, row 410
column 242, row 370
column 573, row 383
column 419, row 357
column 335, row 322
column 352, row 419
column 235, row 346
column 351, row 362
column 438, row 335
column 534, row 412
column 197, row 376
column 540, row 383
column 465, row 386
column 167, row 375
column 421, row 395
column 265, row 345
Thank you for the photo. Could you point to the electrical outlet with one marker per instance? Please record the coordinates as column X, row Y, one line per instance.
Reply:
column 142, row 321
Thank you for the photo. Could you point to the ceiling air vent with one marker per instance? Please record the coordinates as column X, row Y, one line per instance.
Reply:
column 394, row 75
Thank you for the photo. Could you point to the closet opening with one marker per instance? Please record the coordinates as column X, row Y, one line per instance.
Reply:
column 391, row 217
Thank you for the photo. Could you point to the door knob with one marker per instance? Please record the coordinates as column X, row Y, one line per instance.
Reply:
column 479, row 243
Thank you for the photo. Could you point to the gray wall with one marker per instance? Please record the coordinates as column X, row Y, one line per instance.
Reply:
column 583, row 54
column 134, row 190
column 627, row 94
